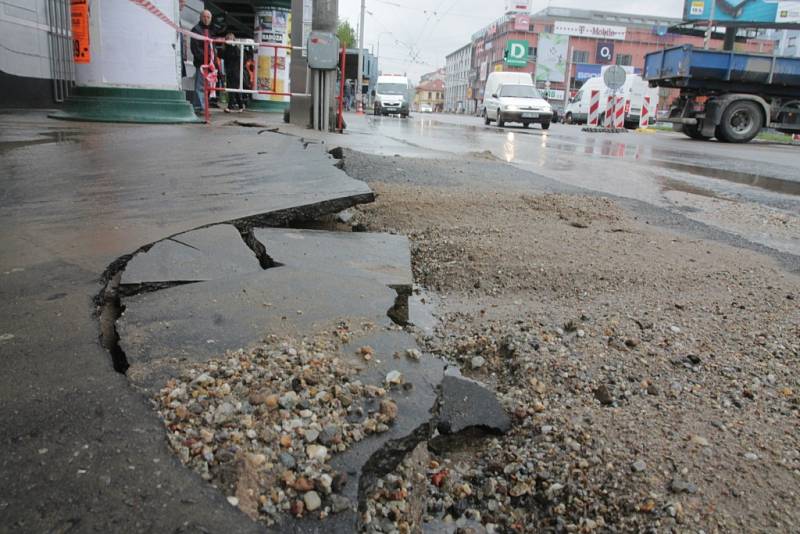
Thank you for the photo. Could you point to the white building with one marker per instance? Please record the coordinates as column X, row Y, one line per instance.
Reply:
column 788, row 43
column 456, row 88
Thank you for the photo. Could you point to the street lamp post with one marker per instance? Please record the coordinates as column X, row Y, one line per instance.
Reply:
column 378, row 52
column 359, row 88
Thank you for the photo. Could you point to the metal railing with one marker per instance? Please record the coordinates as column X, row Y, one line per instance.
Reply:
column 62, row 67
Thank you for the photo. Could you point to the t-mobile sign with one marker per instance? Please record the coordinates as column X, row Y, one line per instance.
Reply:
column 595, row 31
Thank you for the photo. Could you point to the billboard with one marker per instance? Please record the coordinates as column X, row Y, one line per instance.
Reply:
column 551, row 65
column 516, row 54
column 743, row 11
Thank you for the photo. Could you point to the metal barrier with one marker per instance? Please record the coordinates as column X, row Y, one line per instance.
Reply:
column 62, row 67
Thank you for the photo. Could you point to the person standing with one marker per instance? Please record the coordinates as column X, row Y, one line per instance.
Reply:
column 199, row 49
column 232, row 57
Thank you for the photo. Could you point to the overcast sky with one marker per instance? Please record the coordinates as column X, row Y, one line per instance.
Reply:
column 416, row 35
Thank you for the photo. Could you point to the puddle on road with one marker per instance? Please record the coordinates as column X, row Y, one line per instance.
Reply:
column 45, row 138
column 776, row 185
column 421, row 310
column 668, row 184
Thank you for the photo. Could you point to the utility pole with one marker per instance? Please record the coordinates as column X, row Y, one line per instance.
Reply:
column 359, row 94
column 710, row 28
column 326, row 14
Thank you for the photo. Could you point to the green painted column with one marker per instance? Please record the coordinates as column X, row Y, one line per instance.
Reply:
column 130, row 70
column 273, row 25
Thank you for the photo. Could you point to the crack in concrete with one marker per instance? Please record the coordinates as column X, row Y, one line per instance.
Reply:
column 182, row 243
column 248, row 236
column 108, row 301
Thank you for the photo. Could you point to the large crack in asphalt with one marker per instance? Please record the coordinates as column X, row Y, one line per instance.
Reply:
column 108, row 301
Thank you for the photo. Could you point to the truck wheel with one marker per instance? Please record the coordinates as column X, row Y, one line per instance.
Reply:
column 741, row 122
column 500, row 122
column 568, row 119
column 545, row 126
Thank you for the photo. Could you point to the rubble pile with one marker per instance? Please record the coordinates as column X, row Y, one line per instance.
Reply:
column 263, row 424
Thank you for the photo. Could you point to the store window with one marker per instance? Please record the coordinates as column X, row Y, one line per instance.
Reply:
column 624, row 60
column 580, row 56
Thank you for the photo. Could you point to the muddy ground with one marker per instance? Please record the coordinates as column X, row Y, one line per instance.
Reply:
column 652, row 374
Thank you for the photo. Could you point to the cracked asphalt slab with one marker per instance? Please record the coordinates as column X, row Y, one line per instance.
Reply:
column 165, row 259
column 84, row 450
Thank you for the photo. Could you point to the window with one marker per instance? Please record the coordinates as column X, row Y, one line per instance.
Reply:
column 580, row 56
column 624, row 59
column 532, row 52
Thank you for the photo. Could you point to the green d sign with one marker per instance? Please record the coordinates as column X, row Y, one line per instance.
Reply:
column 516, row 53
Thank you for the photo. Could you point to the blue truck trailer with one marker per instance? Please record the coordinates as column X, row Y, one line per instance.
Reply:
column 727, row 95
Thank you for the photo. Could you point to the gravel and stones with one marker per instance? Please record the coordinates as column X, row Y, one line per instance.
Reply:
column 614, row 347
column 262, row 425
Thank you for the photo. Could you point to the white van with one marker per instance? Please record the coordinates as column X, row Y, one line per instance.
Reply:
column 512, row 97
column 634, row 91
column 640, row 89
column 393, row 95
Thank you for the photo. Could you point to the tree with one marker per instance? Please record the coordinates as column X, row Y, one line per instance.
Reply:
column 346, row 34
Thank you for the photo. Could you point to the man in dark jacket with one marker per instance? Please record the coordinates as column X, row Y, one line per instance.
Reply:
column 199, row 49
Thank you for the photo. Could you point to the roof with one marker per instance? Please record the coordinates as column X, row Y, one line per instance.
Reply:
column 433, row 85
column 591, row 16
column 604, row 17
column 464, row 48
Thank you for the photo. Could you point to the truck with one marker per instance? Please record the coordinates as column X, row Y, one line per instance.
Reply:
column 725, row 94
column 393, row 95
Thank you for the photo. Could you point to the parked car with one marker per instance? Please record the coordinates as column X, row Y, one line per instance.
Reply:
column 425, row 108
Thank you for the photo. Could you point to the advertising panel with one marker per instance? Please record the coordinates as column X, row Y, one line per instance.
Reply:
column 80, row 31
column 551, row 65
column 516, row 54
column 605, row 52
column 273, row 26
column 522, row 23
column 742, row 11
column 594, row 31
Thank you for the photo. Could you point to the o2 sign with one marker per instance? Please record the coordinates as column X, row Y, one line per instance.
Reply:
column 605, row 53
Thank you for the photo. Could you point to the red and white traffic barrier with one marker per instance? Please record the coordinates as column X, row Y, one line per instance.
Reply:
column 619, row 113
column 644, row 115
column 594, row 109
column 609, row 121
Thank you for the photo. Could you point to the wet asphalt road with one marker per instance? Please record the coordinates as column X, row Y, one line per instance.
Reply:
column 751, row 192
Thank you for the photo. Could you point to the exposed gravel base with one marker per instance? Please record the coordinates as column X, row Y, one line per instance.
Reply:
column 653, row 377
column 262, row 425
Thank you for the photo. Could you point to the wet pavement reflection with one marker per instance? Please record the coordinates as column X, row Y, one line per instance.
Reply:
column 641, row 166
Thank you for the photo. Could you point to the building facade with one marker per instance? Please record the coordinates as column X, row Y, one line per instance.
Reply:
column 430, row 92
column 787, row 42
column 457, row 92
column 589, row 39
